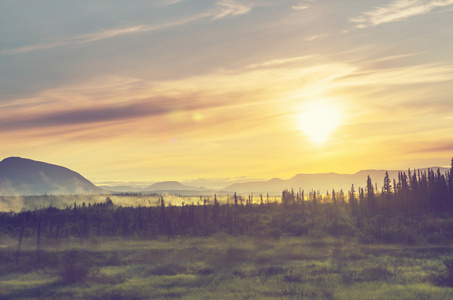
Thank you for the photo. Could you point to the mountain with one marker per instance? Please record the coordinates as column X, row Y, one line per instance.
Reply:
column 322, row 182
column 121, row 188
column 173, row 186
column 20, row 176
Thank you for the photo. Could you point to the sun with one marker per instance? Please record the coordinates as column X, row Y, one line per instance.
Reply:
column 318, row 119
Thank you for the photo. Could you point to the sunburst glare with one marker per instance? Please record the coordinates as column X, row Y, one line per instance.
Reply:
column 318, row 119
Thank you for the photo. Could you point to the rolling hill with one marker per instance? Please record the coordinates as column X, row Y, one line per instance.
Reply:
column 20, row 176
column 174, row 187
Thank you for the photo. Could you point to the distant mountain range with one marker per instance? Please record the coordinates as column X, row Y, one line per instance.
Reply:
column 322, row 182
column 20, row 176
column 173, row 186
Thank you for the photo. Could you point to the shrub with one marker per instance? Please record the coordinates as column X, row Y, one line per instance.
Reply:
column 445, row 278
column 298, row 229
column 236, row 255
column 270, row 271
column 238, row 273
column 76, row 266
column 263, row 258
column 168, row 270
column 375, row 273
column 316, row 233
column 364, row 237
column 390, row 235
column 435, row 238
column 206, row 271
column 275, row 233
column 290, row 276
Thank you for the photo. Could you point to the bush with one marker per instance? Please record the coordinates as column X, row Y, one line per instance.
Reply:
column 168, row 270
column 375, row 273
column 76, row 266
column 292, row 277
column 274, row 233
column 298, row 229
column 270, row 271
column 364, row 237
column 236, row 255
column 446, row 277
column 390, row 235
column 435, row 238
column 206, row 271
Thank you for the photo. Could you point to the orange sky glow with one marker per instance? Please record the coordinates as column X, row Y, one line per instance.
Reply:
column 180, row 90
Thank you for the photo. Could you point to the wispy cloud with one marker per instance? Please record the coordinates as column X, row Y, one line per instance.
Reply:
column 277, row 62
column 398, row 10
column 315, row 37
column 36, row 47
column 171, row 2
column 232, row 8
column 264, row 84
column 417, row 74
column 226, row 8
column 394, row 57
column 104, row 34
column 183, row 122
column 304, row 4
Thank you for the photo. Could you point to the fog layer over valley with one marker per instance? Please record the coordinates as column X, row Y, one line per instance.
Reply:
column 29, row 184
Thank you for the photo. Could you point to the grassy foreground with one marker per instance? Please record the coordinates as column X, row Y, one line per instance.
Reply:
column 225, row 267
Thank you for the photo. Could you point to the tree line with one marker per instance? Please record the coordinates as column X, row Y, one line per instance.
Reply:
column 415, row 206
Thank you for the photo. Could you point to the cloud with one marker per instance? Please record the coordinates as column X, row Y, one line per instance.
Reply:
column 228, row 8
column 440, row 147
column 315, row 37
column 417, row 74
column 395, row 57
column 87, row 115
column 304, row 4
column 150, row 124
column 221, row 99
column 105, row 34
column 171, row 2
column 277, row 62
column 396, row 11
column 232, row 8
column 30, row 48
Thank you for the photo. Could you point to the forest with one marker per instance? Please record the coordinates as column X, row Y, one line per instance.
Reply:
column 410, row 209
column 354, row 235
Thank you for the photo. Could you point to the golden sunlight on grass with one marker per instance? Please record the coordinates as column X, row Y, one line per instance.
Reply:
column 318, row 119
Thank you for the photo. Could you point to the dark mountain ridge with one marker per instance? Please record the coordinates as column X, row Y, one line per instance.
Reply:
column 20, row 176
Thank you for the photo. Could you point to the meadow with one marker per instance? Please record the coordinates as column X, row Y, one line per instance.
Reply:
column 226, row 267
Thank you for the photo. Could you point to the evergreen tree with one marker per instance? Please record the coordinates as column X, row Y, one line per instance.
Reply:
column 387, row 191
column 450, row 185
column 353, row 201
column 334, row 200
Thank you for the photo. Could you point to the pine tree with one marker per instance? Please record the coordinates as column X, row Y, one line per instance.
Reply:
column 387, row 191
column 353, row 201
column 334, row 200
column 450, row 185
column 370, row 199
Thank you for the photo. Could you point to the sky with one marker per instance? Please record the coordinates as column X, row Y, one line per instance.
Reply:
column 226, row 90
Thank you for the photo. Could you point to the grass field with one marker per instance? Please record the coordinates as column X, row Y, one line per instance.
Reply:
column 224, row 267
